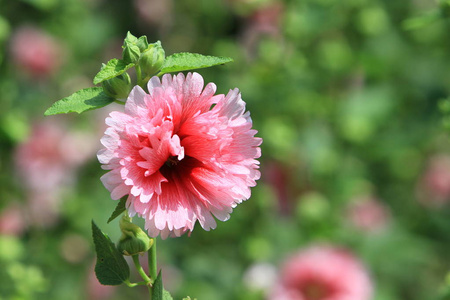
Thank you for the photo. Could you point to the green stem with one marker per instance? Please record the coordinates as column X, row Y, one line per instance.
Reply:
column 152, row 261
column 140, row 270
column 133, row 284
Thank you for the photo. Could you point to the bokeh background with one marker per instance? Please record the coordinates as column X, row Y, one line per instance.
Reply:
column 349, row 97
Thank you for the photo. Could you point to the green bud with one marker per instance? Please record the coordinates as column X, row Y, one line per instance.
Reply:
column 133, row 240
column 152, row 59
column 130, row 53
column 118, row 87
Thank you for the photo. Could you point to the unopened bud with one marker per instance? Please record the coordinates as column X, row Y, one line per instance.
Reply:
column 118, row 87
column 133, row 240
column 152, row 59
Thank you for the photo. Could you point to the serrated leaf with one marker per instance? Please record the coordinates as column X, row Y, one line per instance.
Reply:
column 111, row 268
column 113, row 68
column 158, row 291
column 190, row 61
column 120, row 208
column 83, row 100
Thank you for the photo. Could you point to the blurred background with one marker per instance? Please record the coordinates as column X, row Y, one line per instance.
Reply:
column 349, row 97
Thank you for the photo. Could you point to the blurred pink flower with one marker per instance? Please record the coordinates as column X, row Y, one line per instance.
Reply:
column 323, row 273
column 264, row 21
column 36, row 52
column 177, row 159
column 434, row 185
column 368, row 214
column 46, row 162
column 12, row 220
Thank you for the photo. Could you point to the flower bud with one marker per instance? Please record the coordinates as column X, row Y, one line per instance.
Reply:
column 118, row 87
column 130, row 53
column 152, row 59
column 133, row 240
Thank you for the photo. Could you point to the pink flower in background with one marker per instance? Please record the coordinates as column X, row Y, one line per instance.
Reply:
column 323, row 273
column 368, row 214
column 12, row 220
column 46, row 163
column 434, row 185
column 178, row 159
column 35, row 51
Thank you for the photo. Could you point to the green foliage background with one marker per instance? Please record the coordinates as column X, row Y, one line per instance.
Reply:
column 344, row 93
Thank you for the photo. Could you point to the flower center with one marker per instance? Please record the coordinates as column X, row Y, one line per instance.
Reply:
column 315, row 291
column 171, row 161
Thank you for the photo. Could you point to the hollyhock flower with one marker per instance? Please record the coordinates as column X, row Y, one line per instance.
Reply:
column 12, row 220
column 434, row 185
column 178, row 159
column 323, row 273
column 49, row 156
column 46, row 162
column 36, row 52
column 368, row 214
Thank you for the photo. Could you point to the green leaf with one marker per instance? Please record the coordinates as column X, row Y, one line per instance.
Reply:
column 120, row 208
column 190, row 61
column 158, row 292
column 111, row 268
column 113, row 68
column 83, row 100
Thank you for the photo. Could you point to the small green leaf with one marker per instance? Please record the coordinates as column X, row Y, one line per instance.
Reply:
column 158, row 292
column 111, row 268
column 120, row 208
column 83, row 100
column 113, row 68
column 190, row 61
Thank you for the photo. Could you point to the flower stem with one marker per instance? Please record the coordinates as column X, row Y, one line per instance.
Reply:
column 133, row 284
column 152, row 261
column 141, row 271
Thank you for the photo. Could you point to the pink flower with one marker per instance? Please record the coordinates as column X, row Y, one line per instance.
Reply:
column 47, row 162
column 434, row 185
column 323, row 273
column 178, row 159
column 368, row 214
column 12, row 220
column 35, row 51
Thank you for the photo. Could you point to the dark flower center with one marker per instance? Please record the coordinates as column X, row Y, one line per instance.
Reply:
column 315, row 291
column 171, row 161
